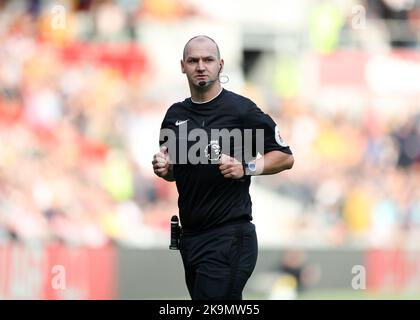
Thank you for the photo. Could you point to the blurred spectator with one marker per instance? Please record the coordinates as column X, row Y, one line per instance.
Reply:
column 326, row 21
column 400, row 20
column 296, row 275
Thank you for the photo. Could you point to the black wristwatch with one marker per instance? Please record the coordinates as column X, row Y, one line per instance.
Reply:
column 250, row 168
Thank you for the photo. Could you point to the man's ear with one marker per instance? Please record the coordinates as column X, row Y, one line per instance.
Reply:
column 182, row 66
column 222, row 63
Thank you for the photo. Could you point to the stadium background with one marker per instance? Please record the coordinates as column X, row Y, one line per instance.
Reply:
column 84, row 86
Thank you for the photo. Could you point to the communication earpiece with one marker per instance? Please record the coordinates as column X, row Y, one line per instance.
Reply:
column 203, row 83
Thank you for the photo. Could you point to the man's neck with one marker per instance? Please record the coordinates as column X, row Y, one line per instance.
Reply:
column 199, row 96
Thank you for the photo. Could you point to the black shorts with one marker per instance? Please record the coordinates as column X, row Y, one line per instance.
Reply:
column 219, row 262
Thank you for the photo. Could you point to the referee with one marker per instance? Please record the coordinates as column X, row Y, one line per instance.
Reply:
column 218, row 243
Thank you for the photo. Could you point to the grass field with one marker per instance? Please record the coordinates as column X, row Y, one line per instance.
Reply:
column 344, row 294
column 358, row 295
column 332, row 294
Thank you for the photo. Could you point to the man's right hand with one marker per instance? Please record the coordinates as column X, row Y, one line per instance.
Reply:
column 161, row 163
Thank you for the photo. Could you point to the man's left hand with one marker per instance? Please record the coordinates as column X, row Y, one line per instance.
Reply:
column 230, row 167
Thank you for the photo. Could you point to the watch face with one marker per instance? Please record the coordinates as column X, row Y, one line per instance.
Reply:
column 252, row 166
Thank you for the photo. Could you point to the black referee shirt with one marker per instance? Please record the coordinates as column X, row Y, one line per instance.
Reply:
column 206, row 198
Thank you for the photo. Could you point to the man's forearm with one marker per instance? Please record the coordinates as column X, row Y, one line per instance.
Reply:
column 274, row 162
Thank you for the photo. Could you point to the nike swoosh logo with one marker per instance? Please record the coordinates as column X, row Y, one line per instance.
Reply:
column 179, row 122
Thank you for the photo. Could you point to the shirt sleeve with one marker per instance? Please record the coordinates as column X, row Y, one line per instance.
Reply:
column 163, row 126
column 254, row 118
column 167, row 136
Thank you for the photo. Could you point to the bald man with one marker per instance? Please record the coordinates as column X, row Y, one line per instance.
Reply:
column 218, row 244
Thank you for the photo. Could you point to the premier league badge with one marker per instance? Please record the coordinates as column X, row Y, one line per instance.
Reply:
column 278, row 137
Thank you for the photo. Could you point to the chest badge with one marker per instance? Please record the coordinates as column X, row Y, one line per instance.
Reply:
column 213, row 150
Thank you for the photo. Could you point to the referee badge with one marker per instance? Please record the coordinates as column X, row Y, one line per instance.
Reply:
column 212, row 150
column 278, row 137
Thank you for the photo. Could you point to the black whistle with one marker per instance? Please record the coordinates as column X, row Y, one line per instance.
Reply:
column 175, row 233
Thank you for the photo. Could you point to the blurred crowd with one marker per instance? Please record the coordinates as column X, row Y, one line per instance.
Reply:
column 357, row 179
column 67, row 107
column 74, row 103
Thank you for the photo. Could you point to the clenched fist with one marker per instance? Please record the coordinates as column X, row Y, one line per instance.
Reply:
column 230, row 167
column 161, row 162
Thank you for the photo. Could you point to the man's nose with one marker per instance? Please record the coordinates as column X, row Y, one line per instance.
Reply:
column 200, row 65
